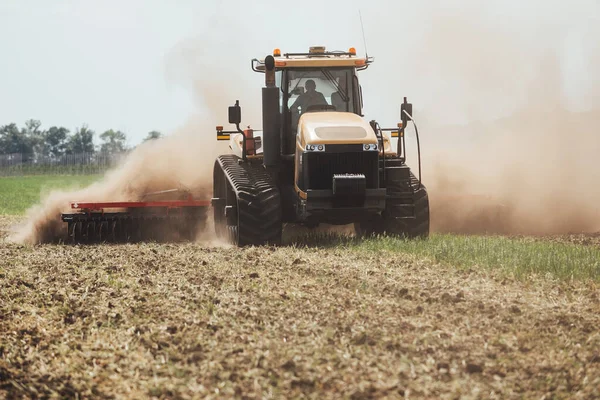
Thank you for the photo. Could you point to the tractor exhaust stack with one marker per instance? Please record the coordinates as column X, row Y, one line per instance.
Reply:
column 270, row 117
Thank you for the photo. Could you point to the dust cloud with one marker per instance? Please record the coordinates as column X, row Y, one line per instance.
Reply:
column 526, row 160
column 538, row 175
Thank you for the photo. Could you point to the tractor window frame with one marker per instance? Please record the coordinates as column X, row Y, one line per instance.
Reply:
column 351, row 81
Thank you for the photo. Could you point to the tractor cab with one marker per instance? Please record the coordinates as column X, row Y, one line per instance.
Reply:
column 317, row 81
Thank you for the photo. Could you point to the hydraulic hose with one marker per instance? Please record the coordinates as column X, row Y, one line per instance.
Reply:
column 418, row 144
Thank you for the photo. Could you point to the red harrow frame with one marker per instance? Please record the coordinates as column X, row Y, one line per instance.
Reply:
column 135, row 221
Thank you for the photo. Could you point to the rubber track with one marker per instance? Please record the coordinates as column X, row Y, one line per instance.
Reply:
column 258, row 202
column 398, row 217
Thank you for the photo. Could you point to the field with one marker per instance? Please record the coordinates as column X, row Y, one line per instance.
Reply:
column 19, row 193
column 322, row 317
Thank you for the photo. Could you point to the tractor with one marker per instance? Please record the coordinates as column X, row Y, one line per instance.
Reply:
column 317, row 159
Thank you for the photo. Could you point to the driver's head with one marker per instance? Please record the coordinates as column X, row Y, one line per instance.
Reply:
column 310, row 85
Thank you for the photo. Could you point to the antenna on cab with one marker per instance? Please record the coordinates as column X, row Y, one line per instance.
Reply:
column 362, row 27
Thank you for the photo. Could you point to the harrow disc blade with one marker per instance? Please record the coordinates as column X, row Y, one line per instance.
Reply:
column 89, row 228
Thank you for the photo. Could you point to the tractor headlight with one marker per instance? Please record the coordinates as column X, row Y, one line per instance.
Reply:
column 314, row 147
column 370, row 147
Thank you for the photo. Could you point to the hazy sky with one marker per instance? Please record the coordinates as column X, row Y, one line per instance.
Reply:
column 139, row 65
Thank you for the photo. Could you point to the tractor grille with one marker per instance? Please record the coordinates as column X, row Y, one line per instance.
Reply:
column 319, row 168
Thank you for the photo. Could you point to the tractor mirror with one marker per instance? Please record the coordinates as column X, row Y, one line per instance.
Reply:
column 404, row 109
column 235, row 113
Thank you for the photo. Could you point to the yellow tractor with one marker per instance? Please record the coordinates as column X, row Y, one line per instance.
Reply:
column 316, row 159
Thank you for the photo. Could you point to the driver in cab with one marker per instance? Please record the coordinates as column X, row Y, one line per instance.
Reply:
column 309, row 98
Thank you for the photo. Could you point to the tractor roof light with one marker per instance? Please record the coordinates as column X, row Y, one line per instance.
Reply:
column 276, row 53
column 352, row 51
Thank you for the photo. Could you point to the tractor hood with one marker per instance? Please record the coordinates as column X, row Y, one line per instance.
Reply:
column 332, row 127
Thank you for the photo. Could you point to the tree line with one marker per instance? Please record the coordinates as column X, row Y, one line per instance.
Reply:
column 57, row 141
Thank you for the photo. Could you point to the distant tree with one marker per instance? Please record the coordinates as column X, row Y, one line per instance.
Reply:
column 82, row 141
column 15, row 140
column 35, row 136
column 56, row 141
column 32, row 128
column 153, row 135
column 113, row 141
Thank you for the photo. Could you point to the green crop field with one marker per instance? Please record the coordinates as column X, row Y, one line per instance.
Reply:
column 561, row 257
column 18, row 193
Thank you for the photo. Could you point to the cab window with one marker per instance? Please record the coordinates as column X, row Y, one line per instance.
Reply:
column 332, row 88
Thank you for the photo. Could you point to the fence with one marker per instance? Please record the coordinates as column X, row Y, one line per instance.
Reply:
column 68, row 164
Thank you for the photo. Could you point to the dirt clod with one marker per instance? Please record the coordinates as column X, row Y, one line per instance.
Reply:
column 443, row 365
column 289, row 365
column 473, row 368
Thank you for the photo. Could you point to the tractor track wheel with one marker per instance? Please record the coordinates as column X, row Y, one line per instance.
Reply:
column 255, row 214
column 232, row 233
column 406, row 212
column 410, row 222
column 222, row 191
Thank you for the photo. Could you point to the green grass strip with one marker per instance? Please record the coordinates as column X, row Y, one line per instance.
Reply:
column 519, row 257
column 19, row 193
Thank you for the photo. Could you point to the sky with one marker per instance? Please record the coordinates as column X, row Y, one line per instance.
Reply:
column 142, row 65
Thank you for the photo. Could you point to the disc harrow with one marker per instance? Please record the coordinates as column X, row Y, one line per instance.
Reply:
column 123, row 222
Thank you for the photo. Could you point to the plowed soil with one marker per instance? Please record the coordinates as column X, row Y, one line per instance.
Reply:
column 191, row 320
